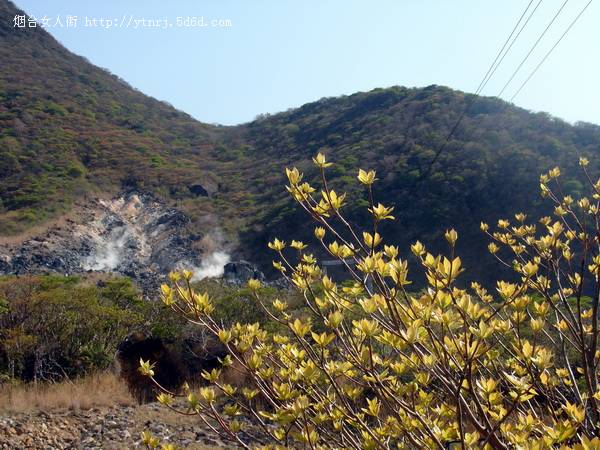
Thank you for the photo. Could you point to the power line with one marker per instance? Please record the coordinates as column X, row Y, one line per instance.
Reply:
column 551, row 50
column 493, row 69
column 486, row 78
column 482, row 84
column 515, row 39
column 533, row 47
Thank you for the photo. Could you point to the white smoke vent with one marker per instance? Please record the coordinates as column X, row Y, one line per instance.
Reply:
column 212, row 266
column 131, row 234
column 109, row 251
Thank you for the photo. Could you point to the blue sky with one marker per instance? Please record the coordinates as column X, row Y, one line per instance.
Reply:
column 279, row 54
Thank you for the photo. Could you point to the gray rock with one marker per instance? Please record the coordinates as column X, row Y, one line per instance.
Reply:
column 133, row 234
column 199, row 190
column 239, row 272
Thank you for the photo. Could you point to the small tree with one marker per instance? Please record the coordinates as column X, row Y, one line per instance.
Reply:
column 370, row 364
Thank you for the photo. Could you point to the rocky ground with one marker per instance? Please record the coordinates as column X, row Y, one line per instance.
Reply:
column 112, row 428
column 131, row 234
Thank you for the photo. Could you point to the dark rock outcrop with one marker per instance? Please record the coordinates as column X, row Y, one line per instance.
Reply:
column 239, row 272
column 199, row 190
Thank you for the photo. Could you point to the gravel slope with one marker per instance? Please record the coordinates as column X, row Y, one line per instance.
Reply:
column 112, row 428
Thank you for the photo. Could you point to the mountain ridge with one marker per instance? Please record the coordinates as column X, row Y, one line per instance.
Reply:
column 69, row 130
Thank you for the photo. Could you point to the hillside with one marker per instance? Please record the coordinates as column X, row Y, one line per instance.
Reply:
column 489, row 169
column 69, row 130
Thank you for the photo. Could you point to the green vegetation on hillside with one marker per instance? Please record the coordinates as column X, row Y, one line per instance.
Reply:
column 68, row 129
column 488, row 169
column 52, row 326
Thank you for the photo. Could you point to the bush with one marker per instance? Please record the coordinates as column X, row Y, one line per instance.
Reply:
column 54, row 327
column 368, row 364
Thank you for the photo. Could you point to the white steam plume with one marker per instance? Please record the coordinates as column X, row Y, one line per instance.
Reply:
column 212, row 266
column 109, row 252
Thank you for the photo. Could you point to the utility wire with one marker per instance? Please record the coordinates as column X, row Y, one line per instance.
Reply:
column 533, row 48
column 514, row 40
column 550, row 51
column 482, row 84
column 490, row 72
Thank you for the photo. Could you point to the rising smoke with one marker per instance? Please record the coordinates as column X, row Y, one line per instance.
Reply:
column 212, row 266
column 109, row 251
column 138, row 239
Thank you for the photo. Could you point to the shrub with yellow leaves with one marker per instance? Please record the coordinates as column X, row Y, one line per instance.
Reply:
column 375, row 365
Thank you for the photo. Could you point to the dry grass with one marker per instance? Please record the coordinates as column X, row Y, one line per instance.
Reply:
column 104, row 389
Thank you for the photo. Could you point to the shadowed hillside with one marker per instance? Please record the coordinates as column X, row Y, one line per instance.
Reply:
column 488, row 170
